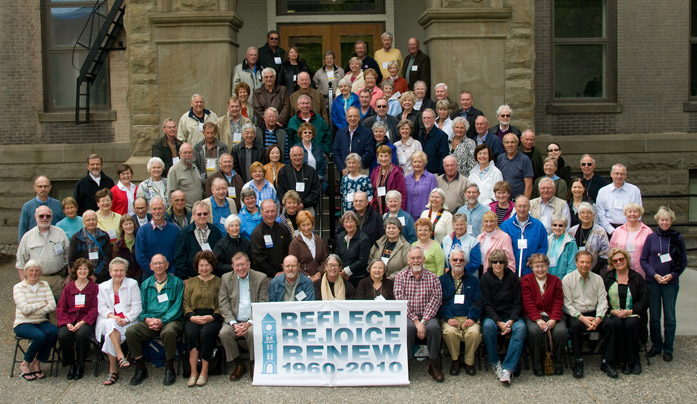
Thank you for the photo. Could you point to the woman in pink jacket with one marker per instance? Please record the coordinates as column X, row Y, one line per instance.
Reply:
column 386, row 177
column 493, row 238
column 632, row 235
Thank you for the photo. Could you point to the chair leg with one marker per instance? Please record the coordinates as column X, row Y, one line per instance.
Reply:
column 14, row 359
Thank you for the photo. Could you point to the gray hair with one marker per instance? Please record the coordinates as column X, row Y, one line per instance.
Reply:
column 232, row 218
column 546, row 180
column 354, row 156
column 416, row 247
column 201, row 204
column 503, row 107
column 558, row 217
column 441, row 85
column 394, row 62
column 387, row 35
column 247, row 191
column 251, row 48
column 249, row 126
column 393, row 194
column 585, row 206
column 459, row 216
column 168, row 120
column 271, row 109
column 304, row 96
column 345, row 81
column 155, row 160
column 379, row 125
column 349, row 214
column 472, row 184
column 335, row 258
column 460, row 119
column 393, row 221
column 196, row 95
column 118, row 261
column 442, row 194
column 387, row 82
column 329, row 52
column 268, row 70
column 32, row 263
column 461, row 251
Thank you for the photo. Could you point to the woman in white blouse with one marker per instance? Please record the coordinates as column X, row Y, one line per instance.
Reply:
column 437, row 212
column 406, row 146
column 485, row 174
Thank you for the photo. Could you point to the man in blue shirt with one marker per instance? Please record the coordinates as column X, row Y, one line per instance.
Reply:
column 42, row 187
column 515, row 167
column 527, row 234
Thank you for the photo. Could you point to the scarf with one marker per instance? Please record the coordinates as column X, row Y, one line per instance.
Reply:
column 339, row 291
column 675, row 248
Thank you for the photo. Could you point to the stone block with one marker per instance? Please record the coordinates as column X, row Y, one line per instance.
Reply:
column 12, row 202
column 142, row 59
column 142, row 138
column 138, row 39
column 689, row 160
column 143, row 99
column 194, row 5
column 136, row 18
column 519, row 92
column 519, row 74
column 145, row 119
column 522, row 11
column 146, row 78
column 679, row 177
column 653, row 161
column 519, row 53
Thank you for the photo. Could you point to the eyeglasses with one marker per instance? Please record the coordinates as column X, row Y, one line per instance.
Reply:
column 44, row 216
column 273, row 38
column 202, row 214
column 505, row 115
column 586, row 164
column 497, row 262
column 557, row 225
column 457, row 259
column 333, row 265
column 552, row 150
column 381, row 106
column 618, row 260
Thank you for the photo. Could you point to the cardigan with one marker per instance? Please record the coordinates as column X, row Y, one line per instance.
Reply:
column 398, row 257
column 201, row 295
column 365, row 290
column 32, row 307
column 309, row 266
column 67, row 313
column 534, row 303
column 499, row 241
column 129, row 296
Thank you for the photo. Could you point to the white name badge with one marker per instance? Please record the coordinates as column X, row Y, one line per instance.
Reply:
column 665, row 258
column 330, row 75
column 459, row 299
column 402, row 221
column 295, row 77
column 387, row 134
column 300, row 296
column 237, row 137
column 296, row 233
column 162, row 298
column 385, row 259
column 402, row 159
column 118, row 308
column 299, row 187
column 277, row 60
column 175, row 160
column 80, row 301
column 384, row 65
column 206, row 247
column 58, row 249
column 111, row 233
column 222, row 221
column 200, row 126
column 582, row 248
column 349, row 197
column 617, row 204
column 380, row 298
column 231, row 192
column 522, row 243
column 210, row 164
column 470, row 229
column 552, row 261
column 630, row 248
column 414, row 68
column 93, row 255
column 268, row 241
column 382, row 191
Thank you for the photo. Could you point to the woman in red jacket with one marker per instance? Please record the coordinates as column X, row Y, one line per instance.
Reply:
column 124, row 191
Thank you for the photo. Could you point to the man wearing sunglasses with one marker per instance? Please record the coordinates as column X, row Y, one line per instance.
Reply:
column 381, row 107
column 504, row 114
column 198, row 236
column 271, row 55
column 592, row 181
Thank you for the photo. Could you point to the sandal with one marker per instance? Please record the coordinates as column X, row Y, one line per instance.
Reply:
column 123, row 363
column 39, row 374
column 28, row 376
column 111, row 379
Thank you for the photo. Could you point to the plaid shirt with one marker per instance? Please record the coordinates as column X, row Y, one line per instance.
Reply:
column 424, row 295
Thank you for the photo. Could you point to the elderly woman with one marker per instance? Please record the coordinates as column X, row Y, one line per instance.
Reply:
column 663, row 258
column 590, row 237
column 393, row 106
column 125, row 247
column 628, row 302
column 632, row 235
column 550, row 168
column 353, row 182
column 376, row 286
column 399, row 84
column 394, row 210
column 291, row 67
column 156, row 185
column 119, row 305
column 439, row 216
column 418, row 184
column 124, row 192
column 71, row 223
column 380, row 129
column 392, row 248
column 107, row 220
column 502, row 206
column 485, row 174
column 459, row 238
column 353, row 248
column 228, row 246
column 577, row 194
column 543, row 304
column 562, row 248
column 331, row 285
column 312, row 151
column 262, row 188
column 76, row 314
column 407, row 101
column 345, row 100
column 371, row 76
column 355, row 75
column 492, row 238
column 250, row 216
column 308, row 248
column 328, row 74
column 502, row 310
column 273, row 155
column 462, row 147
column 443, row 121
column 243, row 93
column 34, row 301
column 406, row 146
column 386, row 177
column 434, row 260
column 203, row 318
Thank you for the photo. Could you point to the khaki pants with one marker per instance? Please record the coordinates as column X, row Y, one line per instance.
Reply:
column 231, row 342
column 472, row 337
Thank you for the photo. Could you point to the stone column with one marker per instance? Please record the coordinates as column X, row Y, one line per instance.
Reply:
column 486, row 47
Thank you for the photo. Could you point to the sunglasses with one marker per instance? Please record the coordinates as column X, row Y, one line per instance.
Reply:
column 457, row 259
column 273, row 38
column 381, row 106
column 45, row 216
column 618, row 260
column 497, row 262
column 553, row 150
column 557, row 225
column 586, row 164
column 202, row 214
column 505, row 115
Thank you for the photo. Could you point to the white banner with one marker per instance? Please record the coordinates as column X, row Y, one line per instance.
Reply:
column 330, row 343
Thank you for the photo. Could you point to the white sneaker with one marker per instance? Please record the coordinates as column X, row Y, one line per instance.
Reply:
column 505, row 377
column 497, row 369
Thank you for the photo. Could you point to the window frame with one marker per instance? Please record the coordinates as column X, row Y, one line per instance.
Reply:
column 281, row 5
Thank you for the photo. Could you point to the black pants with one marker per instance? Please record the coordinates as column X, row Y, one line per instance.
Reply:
column 202, row 337
column 577, row 329
column 536, row 342
column 627, row 342
column 72, row 343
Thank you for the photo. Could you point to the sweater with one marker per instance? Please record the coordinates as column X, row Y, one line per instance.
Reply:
column 151, row 240
column 534, row 303
column 32, row 307
column 168, row 310
column 501, row 297
column 67, row 313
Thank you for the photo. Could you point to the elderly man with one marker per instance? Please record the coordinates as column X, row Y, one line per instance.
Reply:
column 434, row 142
column 441, row 91
column 361, row 52
column 272, row 55
column 184, row 176
column 473, row 209
column 177, row 212
column 269, row 133
column 318, row 106
column 422, row 291
column 167, row 147
column 48, row 245
column 247, row 152
column 503, row 115
column 612, row 199
column 220, row 205
column 301, row 178
column 141, row 215
column 527, row 234
column 190, row 128
column 42, row 187
column 198, row 236
column 233, row 180
column 387, row 54
column 93, row 244
column 381, row 106
column 238, row 290
column 291, row 285
column 592, row 181
column 269, row 241
column 483, row 136
column 585, row 304
column 416, row 66
column 527, row 147
column 369, row 220
column 271, row 95
column 230, row 125
column 162, row 316
column 468, row 112
column 323, row 135
column 207, row 151
column 87, row 186
column 422, row 101
column 364, row 99
column 459, row 314
column 548, row 205
column 249, row 71
column 452, row 184
column 353, row 139
column 157, row 237
column 515, row 167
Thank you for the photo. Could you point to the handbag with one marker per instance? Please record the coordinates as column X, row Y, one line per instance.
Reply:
column 549, row 355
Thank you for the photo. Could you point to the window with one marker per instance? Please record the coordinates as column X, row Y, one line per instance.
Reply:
column 693, row 49
column 330, row 6
column 583, row 50
column 64, row 22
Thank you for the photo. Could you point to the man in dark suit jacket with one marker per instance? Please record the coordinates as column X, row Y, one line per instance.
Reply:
column 390, row 121
column 237, row 310
column 189, row 242
column 416, row 66
column 360, row 142
column 468, row 112
column 503, row 115
column 90, row 184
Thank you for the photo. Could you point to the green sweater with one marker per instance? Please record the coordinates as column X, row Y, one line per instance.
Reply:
column 167, row 311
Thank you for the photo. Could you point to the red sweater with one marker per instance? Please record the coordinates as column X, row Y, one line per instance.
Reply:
column 67, row 313
column 535, row 303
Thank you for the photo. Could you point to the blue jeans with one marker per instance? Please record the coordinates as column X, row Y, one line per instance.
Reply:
column 666, row 296
column 515, row 348
column 43, row 337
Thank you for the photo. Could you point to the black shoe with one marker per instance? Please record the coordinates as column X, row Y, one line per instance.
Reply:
column 538, row 372
column 79, row 372
column 667, row 357
column 627, row 369
column 559, row 369
column 609, row 370
column 169, row 377
column 637, row 369
column 71, row 372
column 653, row 352
column 139, row 376
column 578, row 369
column 455, row 368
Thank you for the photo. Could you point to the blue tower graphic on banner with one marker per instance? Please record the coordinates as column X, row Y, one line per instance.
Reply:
column 269, row 345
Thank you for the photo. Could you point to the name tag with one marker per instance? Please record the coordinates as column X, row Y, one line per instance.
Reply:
column 112, row 234
column 470, row 229
column 617, row 204
column 268, row 241
column 175, row 160
column 118, row 308
column 210, row 164
column 237, row 137
column 349, row 197
column 300, row 296
column 222, row 221
column 58, row 249
column 295, row 233
column 382, row 191
column 162, row 298
column 93, row 255
column 582, row 248
column 522, row 243
column 552, row 261
column 330, row 75
column 665, row 258
column 402, row 221
column 387, row 134
column 459, row 299
column 277, row 60
column 80, row 301
column 380, row 298
column 295, row 77
column 630, row 248
column 299, row 187
column 231, row 192
column 384, row 65
column 206, row 247
column 414, row 68
column 385, row 259
column 200, row 126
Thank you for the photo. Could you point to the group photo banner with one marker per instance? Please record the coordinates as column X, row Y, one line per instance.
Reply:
column 330, row 343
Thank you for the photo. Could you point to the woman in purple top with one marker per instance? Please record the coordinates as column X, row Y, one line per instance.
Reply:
column 386, row 177
column 419, row 185
column 663, row 259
